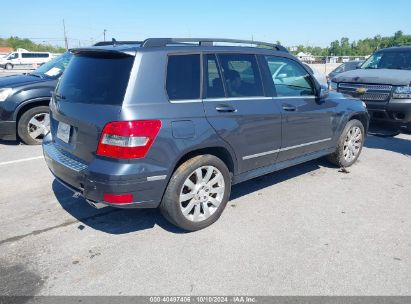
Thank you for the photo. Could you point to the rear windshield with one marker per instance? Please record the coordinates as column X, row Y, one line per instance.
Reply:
column 96, row 79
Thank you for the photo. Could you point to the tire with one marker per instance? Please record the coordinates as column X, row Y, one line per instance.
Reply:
column 202, row 199
column 31, row 123
column 8, row 66
column 407, row 129
column 381, row 130
column 349, row 149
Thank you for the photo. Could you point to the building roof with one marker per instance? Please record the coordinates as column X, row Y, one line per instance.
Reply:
column 5, row 49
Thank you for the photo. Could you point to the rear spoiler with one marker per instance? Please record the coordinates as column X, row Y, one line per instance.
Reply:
column 105, row 43
column 104, row 52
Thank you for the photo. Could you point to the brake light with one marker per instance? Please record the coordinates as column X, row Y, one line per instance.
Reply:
column 118, row 198
column 128, row 139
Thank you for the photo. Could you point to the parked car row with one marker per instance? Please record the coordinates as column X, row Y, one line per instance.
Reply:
column 383, row 82
column 23, row 57
column 24, row 101
column 174, row 123
column 344, row 67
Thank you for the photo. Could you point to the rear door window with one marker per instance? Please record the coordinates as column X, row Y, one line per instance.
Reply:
column 241, row 75
column 183, row 77
column 96, row 79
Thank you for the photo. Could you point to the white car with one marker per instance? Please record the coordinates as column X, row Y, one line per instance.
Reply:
column 23, row 57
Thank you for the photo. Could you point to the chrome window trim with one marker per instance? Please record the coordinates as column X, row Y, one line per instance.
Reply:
column 295, row 97
column 237, row 98
column 285, row 149
column 242, row 98
column 186, row 100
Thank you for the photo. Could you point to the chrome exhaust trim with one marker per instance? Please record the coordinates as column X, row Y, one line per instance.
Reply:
column 96, row 205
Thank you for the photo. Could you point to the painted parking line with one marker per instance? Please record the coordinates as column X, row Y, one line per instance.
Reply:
column 20, row 160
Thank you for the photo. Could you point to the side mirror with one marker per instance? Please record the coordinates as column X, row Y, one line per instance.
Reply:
column 324, row 91
column 281, row 76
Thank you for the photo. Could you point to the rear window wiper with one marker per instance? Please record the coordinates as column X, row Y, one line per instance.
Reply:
column 36, row 75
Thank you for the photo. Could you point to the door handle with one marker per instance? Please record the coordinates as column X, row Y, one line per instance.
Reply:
column 225, row 109
column 289, row 108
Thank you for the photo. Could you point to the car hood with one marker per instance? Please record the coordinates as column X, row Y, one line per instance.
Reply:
column 377, row 76
column 18, row 80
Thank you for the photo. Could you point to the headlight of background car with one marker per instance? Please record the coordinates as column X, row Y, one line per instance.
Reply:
column 333, row 86
column 402, row 93
column 4, row 93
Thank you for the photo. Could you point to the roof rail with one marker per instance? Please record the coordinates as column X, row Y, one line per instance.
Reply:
column 104, row 43
column 162, row 42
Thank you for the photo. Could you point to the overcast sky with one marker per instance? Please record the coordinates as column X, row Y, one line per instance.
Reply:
column 291, row 22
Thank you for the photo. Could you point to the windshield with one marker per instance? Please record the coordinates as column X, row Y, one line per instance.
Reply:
column 54, row 68
column 397, row 60
column 96, row 79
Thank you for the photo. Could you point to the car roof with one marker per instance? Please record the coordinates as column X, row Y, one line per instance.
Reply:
column 184, row 45
column 396, row 49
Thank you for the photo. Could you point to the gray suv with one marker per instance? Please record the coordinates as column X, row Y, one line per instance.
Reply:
column 174, row 123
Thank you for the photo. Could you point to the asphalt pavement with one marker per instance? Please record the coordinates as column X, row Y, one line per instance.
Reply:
column 306, row 230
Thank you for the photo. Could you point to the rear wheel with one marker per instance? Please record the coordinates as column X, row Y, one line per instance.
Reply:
column 349, row 145
column 9, row 66
column 33, row 125
column 407, row 129
column 197, row 193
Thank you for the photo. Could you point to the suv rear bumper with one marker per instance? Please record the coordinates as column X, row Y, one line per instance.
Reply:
column 80, row 178
column 8, row 130
column 395, row 113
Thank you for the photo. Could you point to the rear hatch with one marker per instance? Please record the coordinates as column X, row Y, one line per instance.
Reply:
column 90, row 94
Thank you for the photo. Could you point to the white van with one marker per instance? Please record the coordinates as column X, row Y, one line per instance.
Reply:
column 24, row 57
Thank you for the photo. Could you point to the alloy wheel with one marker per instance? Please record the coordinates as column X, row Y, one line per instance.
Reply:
column 353, row 143
column 202, row 193
column 39, row 126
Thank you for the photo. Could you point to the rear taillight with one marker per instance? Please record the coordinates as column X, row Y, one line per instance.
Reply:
column 128, row 139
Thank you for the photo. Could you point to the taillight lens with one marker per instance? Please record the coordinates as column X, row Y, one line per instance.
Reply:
column 118, row 198
column 128, row 139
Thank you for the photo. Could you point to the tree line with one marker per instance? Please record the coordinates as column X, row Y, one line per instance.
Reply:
column 342, row 47
column 27, row 44
column 364, row 47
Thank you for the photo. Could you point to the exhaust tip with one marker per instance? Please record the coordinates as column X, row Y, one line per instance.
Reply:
column 96, row 205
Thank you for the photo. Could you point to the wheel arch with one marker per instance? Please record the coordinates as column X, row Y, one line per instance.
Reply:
column 363, row 118
column 217, row 151
column 29, row 104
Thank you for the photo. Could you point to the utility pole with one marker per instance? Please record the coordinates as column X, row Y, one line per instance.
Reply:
column 65, row 35
column 104, row 33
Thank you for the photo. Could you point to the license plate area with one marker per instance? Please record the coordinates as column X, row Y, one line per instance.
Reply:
column 63, row 132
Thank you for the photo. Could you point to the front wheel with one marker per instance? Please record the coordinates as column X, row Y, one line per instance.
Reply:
column 33, row 125
column 9, row 66
column 349, row 145
column 197, row 193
